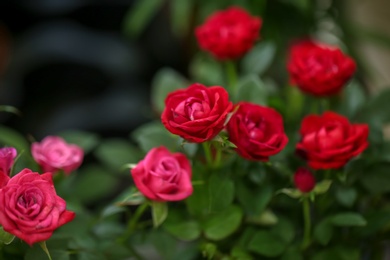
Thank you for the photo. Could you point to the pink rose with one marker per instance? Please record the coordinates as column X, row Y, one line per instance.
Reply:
column 163, row 176
column 53, row 154
column 7, row 156
column 30, row 208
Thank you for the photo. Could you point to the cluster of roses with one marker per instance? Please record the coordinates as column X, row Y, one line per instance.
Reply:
column 29, row 205
column 200, row 113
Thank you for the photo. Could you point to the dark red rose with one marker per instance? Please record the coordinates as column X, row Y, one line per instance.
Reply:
column 228, row 34
column 30, row 207
column 257, row 131
column 330, row 141
column 196, row 113
column 319, row 69
column 304, row 180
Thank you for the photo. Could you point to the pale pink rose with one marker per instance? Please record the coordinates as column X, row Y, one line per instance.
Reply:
column 53, row 154
column 163, row 176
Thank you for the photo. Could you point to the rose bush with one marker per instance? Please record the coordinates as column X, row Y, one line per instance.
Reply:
column 163, row 176
column 30, row 208
column 54, row 154
column 257, row 131
column 228, row 34
column 330, row 141
column 197, row 113
column 319, row 69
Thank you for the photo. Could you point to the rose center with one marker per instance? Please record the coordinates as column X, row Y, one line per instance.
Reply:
column 256, row 130
column 167, row 169
column 196, row 109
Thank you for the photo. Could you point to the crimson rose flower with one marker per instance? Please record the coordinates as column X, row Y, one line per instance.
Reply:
column 319, row 69
column 257, row 131
column 304, row 180
column 53, row 154
column 228, row 34
column 30, row 208
column 330, row 141
column 196, row 113
column 7, row 156
column 163, row 176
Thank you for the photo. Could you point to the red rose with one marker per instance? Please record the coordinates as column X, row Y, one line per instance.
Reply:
column 304, row 180
column 330, row 141
column 7, row 156
column 319, row 69
column 163, row 176
column 30, row 208
column 257, row 131
column 228, row 34
column 197, row 113
column 54, row 154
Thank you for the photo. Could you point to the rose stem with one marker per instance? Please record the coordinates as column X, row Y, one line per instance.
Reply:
column 133, row 222
column 207, row 153
column 307, row 224
column 218, row 156
column 231, row 74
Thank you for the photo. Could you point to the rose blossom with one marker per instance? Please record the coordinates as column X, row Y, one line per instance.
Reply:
column 330, row 141
column 196, row 113
column 7, row 157
column 30, row 208
column 53, row 154
column 257, row 131
column 319, row 69
column 163, row 176
column 228, row 34
column 304, row 180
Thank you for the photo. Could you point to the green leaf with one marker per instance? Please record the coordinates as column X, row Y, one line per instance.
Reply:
column 284, row 230
column 377, row 179
column 322, row 187
column 90, row 256
column 373, row 111
column 266, row 218
column 159, row 212
column 12, row 138
column 117, row 152
column 86, row 140
column 164, row 82
column 223, row 224
column 187, row 230
column 267, row 244
column 259, row 58
column 153, row 135
column 207, row 70
column 130, row 196
column 323, row 232
column 252, row 89
column 254, row 199
column 139, row 16
column 292, row 193
column 198, row 204
column 292, row 253
column 348, row 219
column 337, row 253
column 221, row 192
column 241, row 254
column 353, row 99
column 346, row 196
column 180, row 11
column 377, row 220
column 209, row 250
column 5, row 237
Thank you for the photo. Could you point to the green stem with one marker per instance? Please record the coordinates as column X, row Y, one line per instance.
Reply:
column 133, row 222
column 44, row 248
column 218, row 157
column 231, row 74
column 307, row 223
column 207, row 153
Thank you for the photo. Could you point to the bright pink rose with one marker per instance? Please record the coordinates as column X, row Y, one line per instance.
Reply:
column 319, row 69
column 163, row 176
column 257, row 131
column 30, row 208
column 304, row 180
column 197, row 113
column 7, row 156
column 53, row 154
column 229, row 34
column 330, row 141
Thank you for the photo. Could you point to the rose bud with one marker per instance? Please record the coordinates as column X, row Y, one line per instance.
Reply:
column 304, row 180
column 163, row 176
column 330, row 141
column 7, row 157
column 257, row 131
column 319, row 69
column 196, row 113
column 54, row 154
column 30, row 208
column 228, row 34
